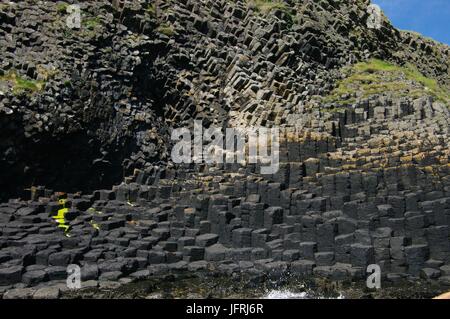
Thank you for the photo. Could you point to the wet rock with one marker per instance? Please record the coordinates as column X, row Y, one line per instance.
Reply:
column 206, row 240
column 355, row 184
column 141, row 274
column 216, row 252
column 47, row 293
column 34, row 277
column 324, row 258
column 109, row 284
column 19, row 293
column 302, row 267
column 89, row 284
column 56, row 272
column 198, row 265
column 89, row 272
column 430, row 273
column 11, row 275
column 276, row 269
column 445, row 280
column 362, row 255
column 445, row 270
column 63, row 258
column 110, row 276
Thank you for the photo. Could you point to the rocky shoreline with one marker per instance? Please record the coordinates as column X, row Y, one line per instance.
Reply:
column 243, row 284
column 364, row 174
column 136, row 231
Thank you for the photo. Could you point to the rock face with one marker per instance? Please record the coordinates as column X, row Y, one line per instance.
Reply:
column 81, row 108
column 86, row 112
column 360, row 183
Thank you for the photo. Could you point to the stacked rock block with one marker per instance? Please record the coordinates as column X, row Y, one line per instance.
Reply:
column 113, row 88
column 233, row 222
column 74, row 110
column 369, row 184
column 325, row 213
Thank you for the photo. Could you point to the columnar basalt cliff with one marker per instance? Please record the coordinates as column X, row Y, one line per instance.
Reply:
column 364, row 159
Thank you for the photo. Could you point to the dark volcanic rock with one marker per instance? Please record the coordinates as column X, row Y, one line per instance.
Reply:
column 364, row 171
column 11, row 275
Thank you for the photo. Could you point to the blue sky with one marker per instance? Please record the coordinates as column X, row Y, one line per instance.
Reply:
column 428, row 17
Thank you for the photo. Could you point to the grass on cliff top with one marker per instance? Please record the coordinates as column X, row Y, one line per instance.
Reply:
column 92, row 22
column 6, row 6
column 376, row 77
column 62, row 7
column 267, row 6
column 20, row 85
column 151, row 9
column 166, row 29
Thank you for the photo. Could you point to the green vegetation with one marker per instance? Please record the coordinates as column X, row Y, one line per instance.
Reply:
column 62, row 7
column 91, row 23
column 151, row 9
column 21, row 85
column 378, row 77
column 166, row 30
column 4, row 6
column 67, row 32
column 46, row 73
column 267, row 6
column 155, row 10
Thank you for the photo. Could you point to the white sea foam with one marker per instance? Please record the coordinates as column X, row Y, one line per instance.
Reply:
column 286, row 294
